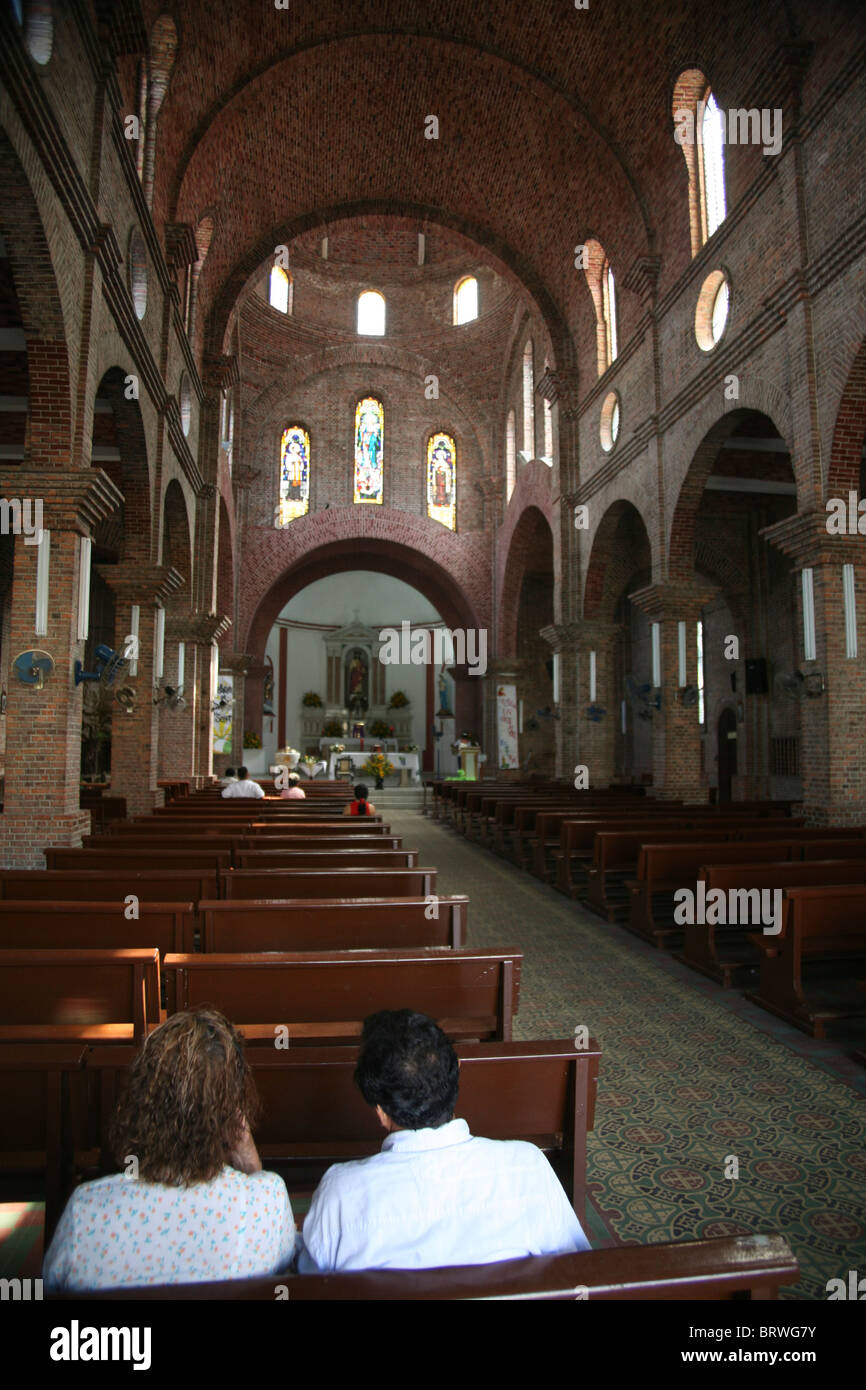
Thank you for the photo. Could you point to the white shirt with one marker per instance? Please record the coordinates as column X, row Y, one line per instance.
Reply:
column 245, row 788
column 121, row 1231
column 437, row 1197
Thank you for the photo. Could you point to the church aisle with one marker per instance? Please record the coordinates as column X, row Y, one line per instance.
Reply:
column 690, row 1086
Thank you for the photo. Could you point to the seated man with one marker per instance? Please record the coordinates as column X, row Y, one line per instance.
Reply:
column 434, row 1195
column 244, row 786
column 228, row 778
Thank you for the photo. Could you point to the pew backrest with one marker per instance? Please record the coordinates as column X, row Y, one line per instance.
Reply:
column 332, row 924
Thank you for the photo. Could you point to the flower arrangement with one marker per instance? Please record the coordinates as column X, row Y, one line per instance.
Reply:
column 309, row 759
column 251, row 740
column 378, row 766
column 312, row 700
column 379, row 729
column 409, row 748
column 332, row 726
column 399, row 700
column 338, row 747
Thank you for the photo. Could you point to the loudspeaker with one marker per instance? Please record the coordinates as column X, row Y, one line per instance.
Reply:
column 734, row 682
column 756, row 676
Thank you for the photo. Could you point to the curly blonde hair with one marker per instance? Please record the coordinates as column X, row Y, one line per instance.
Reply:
column 189, row 1094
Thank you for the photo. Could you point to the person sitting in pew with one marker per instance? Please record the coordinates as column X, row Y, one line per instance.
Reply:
column 228, row 778
column 360, row 806
column 294, row 792
column 195, row 1205
column 434, row 1195
column 244, row 786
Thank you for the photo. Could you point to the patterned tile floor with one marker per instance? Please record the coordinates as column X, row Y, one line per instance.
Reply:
column 695, row 1082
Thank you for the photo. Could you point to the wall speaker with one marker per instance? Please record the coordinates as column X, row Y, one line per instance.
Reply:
column 756, row 676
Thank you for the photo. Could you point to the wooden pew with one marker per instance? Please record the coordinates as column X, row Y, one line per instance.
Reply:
column 98, row 926
column 313, row 1114
column 361, row 858
column 320, row 883
column 721, row 1268
column 663, row 868
column 472, row 994
column 121, row 858
column 332, row 924
column 825, row 923
column 721, row 959
column 102, row 885
column 78, row 996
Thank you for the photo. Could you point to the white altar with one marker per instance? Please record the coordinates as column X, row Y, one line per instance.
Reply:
column 410, row 761
column 353, row 745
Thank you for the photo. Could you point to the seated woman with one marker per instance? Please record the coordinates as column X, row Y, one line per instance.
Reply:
column 360, row 806
column 293, row 792
column 195, row 1205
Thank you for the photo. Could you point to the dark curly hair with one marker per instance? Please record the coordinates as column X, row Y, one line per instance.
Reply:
column 407, row 1065
column 189, row 1092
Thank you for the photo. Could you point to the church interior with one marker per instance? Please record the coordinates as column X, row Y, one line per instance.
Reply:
column 469, row 402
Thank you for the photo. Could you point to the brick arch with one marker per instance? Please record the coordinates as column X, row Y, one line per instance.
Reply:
column 682, row 532
column 621, row 550
column 849, row 434
column 225, row 576
column 48, row 441
column 528, row 549
column 131, row 473
column 449, row 570
column 176, row 534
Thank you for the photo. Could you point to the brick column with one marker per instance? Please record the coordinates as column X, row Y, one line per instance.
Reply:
column 238, row 663
column 185, row 735
column 676, row 731
column 498, row 673
column 832, row 756
column 598, row 739
column 135, row 733
column 43, row 727
column 564, row 641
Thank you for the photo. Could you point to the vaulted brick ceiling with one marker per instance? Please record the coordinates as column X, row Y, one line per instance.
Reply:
column 554, row 124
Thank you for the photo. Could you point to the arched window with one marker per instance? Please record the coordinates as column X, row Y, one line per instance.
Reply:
column 466, row 300
column 279, row 287
column 699, row 130
column 528, row 402
column 294, row 474
column 548, row 426
column 609, row 294
column 510, row 456
column 442, row 480
column 371, row 313
column 369, row 446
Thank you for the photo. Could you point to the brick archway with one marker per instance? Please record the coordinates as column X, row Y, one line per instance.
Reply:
column 528, row 550
column 850, row 431
column 620, row 550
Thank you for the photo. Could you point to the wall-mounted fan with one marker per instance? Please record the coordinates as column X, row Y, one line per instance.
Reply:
column 125, row 697
column 795, row 686
column 170, row 698
column 109, row 664
column 595, row 714
column 32, row 667
column 689, row 696
column 643, row 698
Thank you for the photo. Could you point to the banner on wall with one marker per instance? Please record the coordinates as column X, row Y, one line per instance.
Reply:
column 223, row 712
column 506, row 725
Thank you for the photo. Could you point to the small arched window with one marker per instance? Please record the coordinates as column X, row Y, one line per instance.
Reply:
column 528, row 402
column 599, row 278
column 510, row 456
column 279, row 286
column 548, row 426
column 711, row 150
column 609, row 293
column 371, row 313
column 466, row 300
column 699, row 130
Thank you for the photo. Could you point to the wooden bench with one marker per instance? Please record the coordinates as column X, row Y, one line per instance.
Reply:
column 663, row 868
column 724, row 1267
column 313, row 1114
column 721, row 961
column 102, row 885
column 121, row 858
column 96, row 926
column 332, row 924
column 472, row 994
column 361, row 858
column 72, row 996
column 321, row 883
column 824, row 923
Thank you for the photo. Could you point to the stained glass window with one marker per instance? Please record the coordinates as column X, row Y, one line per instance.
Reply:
column 369, row 443
column 442, row 480
column 294, row 474
column 528, row 403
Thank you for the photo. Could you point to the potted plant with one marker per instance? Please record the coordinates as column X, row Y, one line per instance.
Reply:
column 378, row 766
column 399, row 700
column 312, row 700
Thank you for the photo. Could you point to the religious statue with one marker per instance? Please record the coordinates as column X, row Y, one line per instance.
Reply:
column 356, row 682
column 443, row 712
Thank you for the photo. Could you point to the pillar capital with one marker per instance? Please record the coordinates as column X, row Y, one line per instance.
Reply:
column 73, row 499
column 141, row 583
column 562, row 636
column 804, row 538
column 237, row 662
column 673, row 600
column 202, row 628
column 599, row 634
